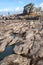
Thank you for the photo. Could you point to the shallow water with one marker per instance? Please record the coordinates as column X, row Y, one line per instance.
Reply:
column 8, row 51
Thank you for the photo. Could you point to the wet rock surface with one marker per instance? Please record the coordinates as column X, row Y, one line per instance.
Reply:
column 21, row 42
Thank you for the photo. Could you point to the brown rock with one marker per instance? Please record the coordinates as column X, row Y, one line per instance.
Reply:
column 5, row 42
column 15, row 60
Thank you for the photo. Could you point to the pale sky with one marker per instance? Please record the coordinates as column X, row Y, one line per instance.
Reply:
column 17, row 5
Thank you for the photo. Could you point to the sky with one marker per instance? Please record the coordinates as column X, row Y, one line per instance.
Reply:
column 17, row 5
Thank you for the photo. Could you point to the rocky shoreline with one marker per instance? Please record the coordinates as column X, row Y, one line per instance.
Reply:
column 24, row 38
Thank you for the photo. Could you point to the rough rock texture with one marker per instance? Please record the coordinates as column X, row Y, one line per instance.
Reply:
column 15, row 60
column 26, row 36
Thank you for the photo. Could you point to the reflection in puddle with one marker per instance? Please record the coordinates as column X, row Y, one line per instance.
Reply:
column 8, row 51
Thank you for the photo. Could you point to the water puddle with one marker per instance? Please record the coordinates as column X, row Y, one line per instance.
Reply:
column 8, row 51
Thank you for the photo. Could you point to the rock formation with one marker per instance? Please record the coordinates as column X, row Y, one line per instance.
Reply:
column 26, row 36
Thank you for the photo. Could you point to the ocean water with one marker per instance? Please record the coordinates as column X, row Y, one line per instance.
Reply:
column 7, row 13
column 10, row 12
